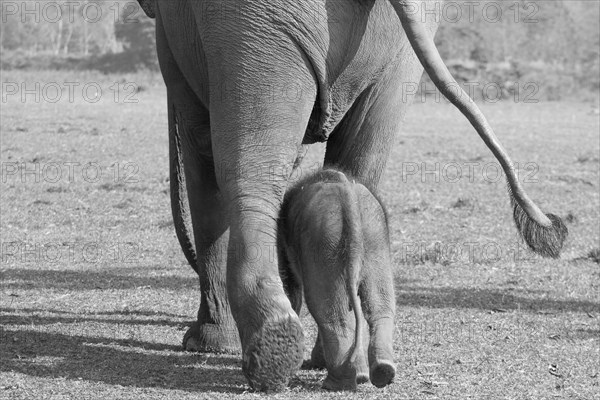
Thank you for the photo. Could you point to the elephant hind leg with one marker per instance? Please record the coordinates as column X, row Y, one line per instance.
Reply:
column 317, row 358
column 361, row 143
column 214, row 330
column 317, row 361
column 256, row 142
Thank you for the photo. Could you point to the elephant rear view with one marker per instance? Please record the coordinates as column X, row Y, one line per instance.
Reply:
column 248, row 83
column 334, row 244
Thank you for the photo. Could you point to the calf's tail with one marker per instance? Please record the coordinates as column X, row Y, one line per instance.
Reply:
column 354, row 248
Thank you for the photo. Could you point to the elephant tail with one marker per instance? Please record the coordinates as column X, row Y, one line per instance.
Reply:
column 176, row 178
column 354, row 248
column 544, row 233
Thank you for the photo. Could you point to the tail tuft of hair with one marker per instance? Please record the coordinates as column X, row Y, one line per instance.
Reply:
column 545, row 241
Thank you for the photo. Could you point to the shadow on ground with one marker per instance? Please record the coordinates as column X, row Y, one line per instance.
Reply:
column 135, row 363
column 117, row 362
column 488, row 299
column 113, row 278
column 133, row 317
column 407, row 295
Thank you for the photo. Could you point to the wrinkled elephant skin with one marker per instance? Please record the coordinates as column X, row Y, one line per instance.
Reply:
column 248, row 84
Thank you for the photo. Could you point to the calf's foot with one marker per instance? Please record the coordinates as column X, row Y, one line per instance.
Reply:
column 382, row 373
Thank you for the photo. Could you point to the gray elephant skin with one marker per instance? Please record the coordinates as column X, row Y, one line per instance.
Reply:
column 334, row 240
column 248, row 84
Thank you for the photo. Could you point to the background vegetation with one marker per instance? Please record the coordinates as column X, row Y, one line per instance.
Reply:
column 553, row 44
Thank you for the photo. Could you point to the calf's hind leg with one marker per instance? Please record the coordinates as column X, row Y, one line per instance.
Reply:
column 373, row 122
column 377, row 290
column 325, row 260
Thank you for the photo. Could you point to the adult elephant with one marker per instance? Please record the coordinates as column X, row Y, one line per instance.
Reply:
column 249, row 82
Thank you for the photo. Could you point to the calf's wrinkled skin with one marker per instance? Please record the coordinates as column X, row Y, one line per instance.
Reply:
column 248, row 84
column 334, row 246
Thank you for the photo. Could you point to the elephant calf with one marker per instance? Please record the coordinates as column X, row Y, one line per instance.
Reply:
column 334, row 244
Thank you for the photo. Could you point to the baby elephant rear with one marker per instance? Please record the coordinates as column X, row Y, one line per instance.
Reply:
column 334, row 243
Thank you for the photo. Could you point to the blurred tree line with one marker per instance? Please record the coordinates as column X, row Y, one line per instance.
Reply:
column 552, row 31
column 555, row 43
column 484, row 39
column 112, row 36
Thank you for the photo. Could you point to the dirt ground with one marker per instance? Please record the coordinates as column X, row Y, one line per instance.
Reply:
column 96, row 294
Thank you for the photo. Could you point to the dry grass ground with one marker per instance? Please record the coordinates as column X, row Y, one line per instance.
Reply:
column 96, row 294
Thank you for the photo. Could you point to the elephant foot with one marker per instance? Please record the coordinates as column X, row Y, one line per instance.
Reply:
column 382, row 373
column 273, row 354
column 211, row 338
